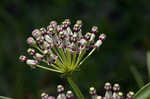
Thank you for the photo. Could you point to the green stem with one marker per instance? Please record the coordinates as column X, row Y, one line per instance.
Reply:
column 75, row 88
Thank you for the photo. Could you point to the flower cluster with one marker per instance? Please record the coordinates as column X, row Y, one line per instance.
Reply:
column 62, row 50
column 111, row 93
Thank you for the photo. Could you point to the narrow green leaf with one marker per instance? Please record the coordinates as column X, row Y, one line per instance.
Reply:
column 2, row 97
column 137, row 76
column 143, row 93
column 148, row 63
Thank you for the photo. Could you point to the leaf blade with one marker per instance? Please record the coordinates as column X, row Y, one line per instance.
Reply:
column 143, row 93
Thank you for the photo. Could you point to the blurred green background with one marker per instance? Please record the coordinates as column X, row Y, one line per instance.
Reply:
column 120, row 59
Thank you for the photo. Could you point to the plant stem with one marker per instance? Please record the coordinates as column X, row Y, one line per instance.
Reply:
column 75, row 88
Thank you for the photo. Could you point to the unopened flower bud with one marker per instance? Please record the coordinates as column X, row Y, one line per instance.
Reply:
column 76, row 28
column 130, row 95
column 31, row 41
column 99, row 41
column 87, row 36
column 64, row 25
column 120, row 95
column 116, row 87
column 44, row 95
column 31, row 51
column 68, row 22
column 92, row 91
column 31, row 63
column 53, row 24
column 92, row 37
column 79, row 22
column 23, row 58
column 98, row 44
column 94, row 29
column 43, row 31
column 39, row 56
column 59, row 28
column 83, row 42
column 60, row 89
column 40, row 39
column 36, row 33
column 69, row 95
column 107, row 86
column 102, row 37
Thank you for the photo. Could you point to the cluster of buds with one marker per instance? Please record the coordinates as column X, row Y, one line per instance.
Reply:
column 111, row 93
column 61, row 94
column 62, row 50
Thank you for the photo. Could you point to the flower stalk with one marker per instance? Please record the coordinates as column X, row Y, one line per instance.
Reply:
column 75, row 88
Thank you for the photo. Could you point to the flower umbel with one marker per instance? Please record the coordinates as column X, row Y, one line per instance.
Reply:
column 61, row 49
column 110, row 93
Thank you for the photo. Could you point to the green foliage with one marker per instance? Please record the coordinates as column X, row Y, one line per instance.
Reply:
column 137, row 76
column 148, row 63
column 2, row 97
column 143, row 93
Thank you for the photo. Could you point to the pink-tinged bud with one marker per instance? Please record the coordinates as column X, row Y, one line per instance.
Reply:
column 92, row 91
column 32, row 63
column 76, row 28
column 87, row 36
column 69, row 95
column 120, row 95
column 53, row 24
column 102, row 37
column 98, row 44
column 60, row 89
column 59, row 28
column 99, row 41
column 36, row 33
column 23, row 58
column 31, row 41
column 68, row 22
column 31, row 51
column 44, row 95
column 94, row 29
column 107, row 86
column 43, row 31
column 116, row 88
column 130, row 95
column 39, row 56
column 40, row 39
column 83, row 42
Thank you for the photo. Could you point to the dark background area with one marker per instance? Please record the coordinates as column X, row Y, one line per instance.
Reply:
column 125, row 22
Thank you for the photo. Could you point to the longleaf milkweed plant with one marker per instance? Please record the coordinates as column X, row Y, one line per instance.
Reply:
column 62, row 49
